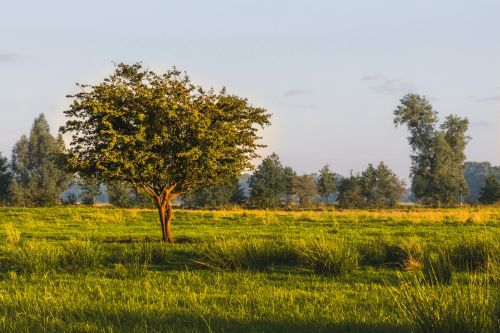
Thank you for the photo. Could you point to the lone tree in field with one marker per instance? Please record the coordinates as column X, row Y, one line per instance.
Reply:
column 160, row 133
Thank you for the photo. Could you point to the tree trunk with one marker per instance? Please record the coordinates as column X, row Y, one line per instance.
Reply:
column 166, row 213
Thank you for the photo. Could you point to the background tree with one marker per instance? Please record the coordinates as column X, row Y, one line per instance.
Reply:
column 327, row 185
column 490, row 192
column 305, row 188
column 475, row 175
column 160, row 133
column 350, row 193
column 37, row 176
column 5, row 179
column 438, row 157
column 290, row 181
column 90, row 190
column 213, row 196
column 267, row 184
column 381, row 188
column 120, row 194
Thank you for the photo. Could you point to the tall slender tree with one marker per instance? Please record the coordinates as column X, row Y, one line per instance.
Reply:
column 5, row 179
column 438, row 156
column 38, row 176
column 326, row 183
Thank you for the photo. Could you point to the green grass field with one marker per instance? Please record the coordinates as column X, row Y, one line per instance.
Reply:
column 104, row 270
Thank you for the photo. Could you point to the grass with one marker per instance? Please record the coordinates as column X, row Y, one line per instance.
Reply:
column 83, row 269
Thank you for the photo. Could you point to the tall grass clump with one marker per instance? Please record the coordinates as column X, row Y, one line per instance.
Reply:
column 41, row 257
column 245, row 254
column 437, row 267
column 474, row 254
column 454, row 308
column 12, row 234
column 400, row 253
column 331, row 257
column 79, row 255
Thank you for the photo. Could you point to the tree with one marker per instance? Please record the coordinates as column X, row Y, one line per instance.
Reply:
column 326, row 183
column 475, row 175
column 267, row 184
column 160, row 133
column 120, row 194
column 380, row 187
column 290, row 184
column 212, row 196
column 5, row 179
column 305, row 187
column 438, row 157
column 37, row 176
column 350, row 193
column 91, row 189
column 490, row 192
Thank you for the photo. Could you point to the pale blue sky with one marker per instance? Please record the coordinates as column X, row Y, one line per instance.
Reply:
column 331, row 72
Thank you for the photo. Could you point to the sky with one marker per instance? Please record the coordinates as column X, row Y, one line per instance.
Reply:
column 330, row 72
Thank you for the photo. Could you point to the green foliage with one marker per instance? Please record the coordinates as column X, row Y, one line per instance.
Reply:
column 91, row 189
column 120, row 194
column 215, row 196
column 490, row 192
column 160, row 133
column 38, row 178
column 438, row 154
column 305, row 189
column 380, row 187
column 327, row 185
column 374, row 188
column 5, row 179
column 438, row 267
column 268, row 184
column 351, row 193
column 475, row 175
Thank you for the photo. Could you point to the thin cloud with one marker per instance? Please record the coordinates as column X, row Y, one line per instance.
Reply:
column 371, row 77
column 7, row 57
column 294, row 92
column 394, row 87
column 480, row 124
column 488, row 99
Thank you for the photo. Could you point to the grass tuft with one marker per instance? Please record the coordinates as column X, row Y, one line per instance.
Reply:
column 447, row 308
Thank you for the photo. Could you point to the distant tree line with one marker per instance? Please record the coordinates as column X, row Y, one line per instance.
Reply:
column 36, row 175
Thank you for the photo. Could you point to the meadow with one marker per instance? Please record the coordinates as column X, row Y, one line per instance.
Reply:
column 78, row 269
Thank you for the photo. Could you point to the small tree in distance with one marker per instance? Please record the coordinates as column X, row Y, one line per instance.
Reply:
column 326, row 183
column 490, row 192
column 160, row 133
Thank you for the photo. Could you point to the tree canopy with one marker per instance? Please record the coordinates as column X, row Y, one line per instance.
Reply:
column 37, row 176
column 438, row 156
column 161, row 133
